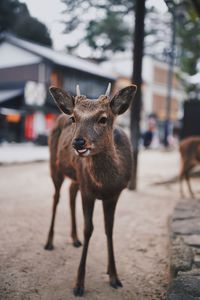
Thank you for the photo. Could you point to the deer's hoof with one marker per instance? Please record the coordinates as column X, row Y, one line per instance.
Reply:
column 78, row 291
column 49, row 247
column 77, row 244
column 116, row 283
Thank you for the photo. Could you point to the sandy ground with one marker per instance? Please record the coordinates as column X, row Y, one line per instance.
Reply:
column 27, row 271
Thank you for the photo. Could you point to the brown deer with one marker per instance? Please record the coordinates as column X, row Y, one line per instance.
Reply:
column 87, row 147
column 190, row 157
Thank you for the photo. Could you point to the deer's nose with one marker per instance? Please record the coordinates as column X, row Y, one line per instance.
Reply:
column 78, row 144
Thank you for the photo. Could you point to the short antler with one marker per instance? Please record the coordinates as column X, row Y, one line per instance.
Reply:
column 107, row 93
column 78, row 92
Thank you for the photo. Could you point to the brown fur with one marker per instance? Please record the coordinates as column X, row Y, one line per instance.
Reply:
column 190, row 157
column 103, row 174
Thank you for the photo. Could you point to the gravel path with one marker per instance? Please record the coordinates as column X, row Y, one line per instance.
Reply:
column 140, row 236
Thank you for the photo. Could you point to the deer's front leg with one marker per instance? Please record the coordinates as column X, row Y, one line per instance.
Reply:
column 88, row 208
column 73, row 192
column 109, row 211
column 58, row 183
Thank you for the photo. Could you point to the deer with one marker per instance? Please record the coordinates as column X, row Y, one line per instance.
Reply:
column 190, row 157
column 87, row 147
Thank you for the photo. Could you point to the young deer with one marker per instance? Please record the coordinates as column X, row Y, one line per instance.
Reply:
column 86, row 147
column 190, row 157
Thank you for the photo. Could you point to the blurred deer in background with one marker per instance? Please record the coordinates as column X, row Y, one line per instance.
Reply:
column 86, row 147
column 190, row 157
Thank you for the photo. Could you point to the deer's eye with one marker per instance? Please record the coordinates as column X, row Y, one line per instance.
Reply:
column 103, row 120
column 72, row 119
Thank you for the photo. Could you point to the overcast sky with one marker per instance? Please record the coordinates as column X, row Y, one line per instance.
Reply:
column 50, row 13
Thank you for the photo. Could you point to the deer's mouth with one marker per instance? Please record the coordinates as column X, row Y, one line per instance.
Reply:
column 83, row 152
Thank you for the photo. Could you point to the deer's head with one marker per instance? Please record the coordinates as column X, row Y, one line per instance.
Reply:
column 93, row 119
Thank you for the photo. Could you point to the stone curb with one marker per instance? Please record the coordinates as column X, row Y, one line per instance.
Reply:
column 185, row 252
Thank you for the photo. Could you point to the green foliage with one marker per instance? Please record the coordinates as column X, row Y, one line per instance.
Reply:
column 103, row 23
column 188, row 32
column 107, row 27
column 187, row 18
column 31, row 29
column 9, row 10
column 109, row 34
column 15, row 18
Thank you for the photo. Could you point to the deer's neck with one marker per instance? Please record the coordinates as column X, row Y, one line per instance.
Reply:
column 103, row 167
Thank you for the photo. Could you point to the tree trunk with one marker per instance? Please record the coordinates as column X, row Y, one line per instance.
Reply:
column 170, row 81
column 137, row 79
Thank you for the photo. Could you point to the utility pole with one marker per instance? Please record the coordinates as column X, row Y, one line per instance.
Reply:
column 137, row 79
column 170, row 79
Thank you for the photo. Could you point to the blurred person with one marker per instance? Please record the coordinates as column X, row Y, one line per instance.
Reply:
column 150, row 136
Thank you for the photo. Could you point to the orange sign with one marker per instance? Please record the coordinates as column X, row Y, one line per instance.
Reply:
column 13, row 118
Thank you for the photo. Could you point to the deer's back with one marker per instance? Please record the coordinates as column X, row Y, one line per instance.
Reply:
column 190, row 148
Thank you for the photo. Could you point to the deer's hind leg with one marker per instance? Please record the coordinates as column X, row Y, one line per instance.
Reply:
column 185, row 174
column 58, row 180
column 181, row 178
column 73, row 190
column 194, row 163
column 187, row 178
column 187, row 167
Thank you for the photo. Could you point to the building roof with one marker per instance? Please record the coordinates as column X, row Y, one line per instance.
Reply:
column 58, row 58
column 6, row 95
column 13, row 56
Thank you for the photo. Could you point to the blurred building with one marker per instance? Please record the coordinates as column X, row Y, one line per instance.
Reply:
column 154, row 87
column 191, row 116
column 191, row 119
column 26, row 71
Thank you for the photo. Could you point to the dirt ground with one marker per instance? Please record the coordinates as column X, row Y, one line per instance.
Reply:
column 27, row 271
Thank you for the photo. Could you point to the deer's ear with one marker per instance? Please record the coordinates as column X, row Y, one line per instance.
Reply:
column 122, row 100
column 64, row 101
